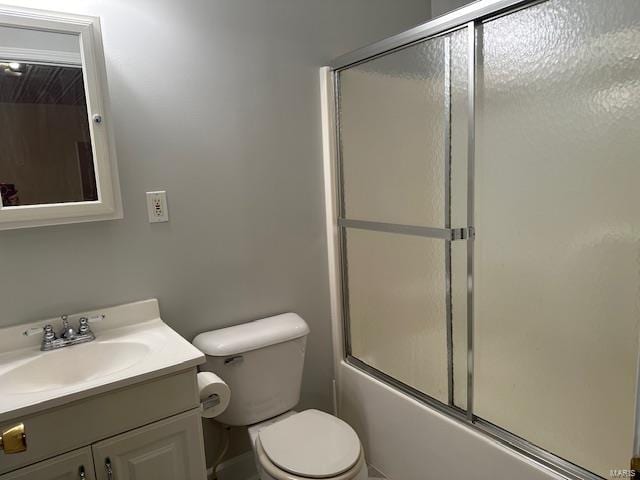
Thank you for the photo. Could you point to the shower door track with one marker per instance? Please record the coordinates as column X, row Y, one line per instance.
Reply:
column 470, row 18
column 477, row 11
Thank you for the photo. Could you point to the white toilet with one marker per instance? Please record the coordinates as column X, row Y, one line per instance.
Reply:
column 262, row 363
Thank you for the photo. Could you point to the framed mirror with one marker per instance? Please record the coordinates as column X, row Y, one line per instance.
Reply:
column 57, row 157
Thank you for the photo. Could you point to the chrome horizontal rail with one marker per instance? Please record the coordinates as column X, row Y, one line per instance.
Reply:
column 450, row 234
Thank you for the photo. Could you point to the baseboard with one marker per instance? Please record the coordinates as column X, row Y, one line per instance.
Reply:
column 242, row 467
column 374, row 474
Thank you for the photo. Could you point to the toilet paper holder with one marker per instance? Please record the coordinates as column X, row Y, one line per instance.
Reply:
column 211, row 401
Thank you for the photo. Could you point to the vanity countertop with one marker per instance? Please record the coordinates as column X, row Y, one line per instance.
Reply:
column 132, row 345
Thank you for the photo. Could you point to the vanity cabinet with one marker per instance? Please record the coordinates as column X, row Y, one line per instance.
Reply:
column 74, row 465
column 146, row 431
column 170, row 449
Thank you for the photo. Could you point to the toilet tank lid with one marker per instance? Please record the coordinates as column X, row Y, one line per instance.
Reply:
column 252, row 335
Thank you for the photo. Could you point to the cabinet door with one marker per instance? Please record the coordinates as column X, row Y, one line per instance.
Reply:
column 170, row 449
column 76, row 465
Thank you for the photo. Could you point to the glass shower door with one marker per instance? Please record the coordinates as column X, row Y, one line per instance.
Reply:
column 396, row 164
column 557, row 270
column 553, row 271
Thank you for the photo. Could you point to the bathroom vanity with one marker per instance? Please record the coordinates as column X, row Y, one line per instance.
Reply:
column 123, row 406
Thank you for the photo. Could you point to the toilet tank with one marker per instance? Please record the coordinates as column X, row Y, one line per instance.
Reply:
column 262, row 363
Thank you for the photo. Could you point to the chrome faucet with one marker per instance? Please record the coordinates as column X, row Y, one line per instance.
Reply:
column 67, row 331
column 68, row 335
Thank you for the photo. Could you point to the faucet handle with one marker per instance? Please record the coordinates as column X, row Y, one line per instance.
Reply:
column 47, row 330
column 29, row 332
column 85, row 321
column 49, row 334
column 83, row 326
column 96, row 318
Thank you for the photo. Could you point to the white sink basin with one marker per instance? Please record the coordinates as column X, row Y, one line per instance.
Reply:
column 71, row 365
column 132, row 345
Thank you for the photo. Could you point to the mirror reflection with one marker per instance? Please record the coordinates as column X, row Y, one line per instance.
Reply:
column 46, row 155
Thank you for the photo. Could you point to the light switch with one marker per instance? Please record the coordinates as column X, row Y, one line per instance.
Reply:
column 157, row 207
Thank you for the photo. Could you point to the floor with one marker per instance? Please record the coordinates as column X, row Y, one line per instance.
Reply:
column 243, row 467
column 373, row 475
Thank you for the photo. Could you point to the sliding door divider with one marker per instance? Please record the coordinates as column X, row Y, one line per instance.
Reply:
column 447, row 215
column 471, row 146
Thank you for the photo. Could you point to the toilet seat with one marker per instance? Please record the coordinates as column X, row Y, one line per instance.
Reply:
column 311, row 444
column 357, row 472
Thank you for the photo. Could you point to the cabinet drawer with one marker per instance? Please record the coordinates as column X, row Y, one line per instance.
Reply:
column 83, row 422
column 76, row 465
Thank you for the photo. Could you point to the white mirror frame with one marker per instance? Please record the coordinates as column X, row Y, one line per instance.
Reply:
column 109, row 203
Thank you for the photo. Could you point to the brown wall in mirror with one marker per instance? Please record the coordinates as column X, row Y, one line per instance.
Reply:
column 45, row 145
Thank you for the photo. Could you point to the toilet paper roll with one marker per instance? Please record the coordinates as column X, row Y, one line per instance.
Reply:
column 214, row 394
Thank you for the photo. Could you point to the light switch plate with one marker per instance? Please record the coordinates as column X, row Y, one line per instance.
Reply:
column 157, row 207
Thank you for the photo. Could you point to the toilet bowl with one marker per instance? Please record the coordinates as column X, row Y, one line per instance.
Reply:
column 307, row 445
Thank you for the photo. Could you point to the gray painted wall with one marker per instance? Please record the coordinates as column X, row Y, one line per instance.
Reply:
column 218, row 103
column 440, row 7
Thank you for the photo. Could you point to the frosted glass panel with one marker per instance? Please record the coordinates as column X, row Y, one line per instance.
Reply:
column 392, row 136
column 558, row 227
column 397, row 307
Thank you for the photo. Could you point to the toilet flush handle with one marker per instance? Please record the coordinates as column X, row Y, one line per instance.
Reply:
column 234, row 360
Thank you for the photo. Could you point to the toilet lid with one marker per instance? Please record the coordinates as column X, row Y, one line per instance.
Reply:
column 311, row 444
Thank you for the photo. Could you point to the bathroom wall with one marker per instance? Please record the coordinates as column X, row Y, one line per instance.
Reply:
column 440, row 7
